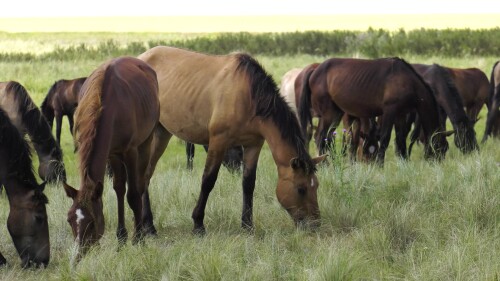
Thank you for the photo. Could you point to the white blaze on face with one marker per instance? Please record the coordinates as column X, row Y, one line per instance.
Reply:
column 79, row 216
column 371, row 149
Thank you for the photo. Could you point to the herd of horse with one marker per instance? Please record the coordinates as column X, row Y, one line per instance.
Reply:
column 126, row 111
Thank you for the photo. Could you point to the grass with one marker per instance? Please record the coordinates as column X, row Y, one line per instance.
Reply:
column 412, row 220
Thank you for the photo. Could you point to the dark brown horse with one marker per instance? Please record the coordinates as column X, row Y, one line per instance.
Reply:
column 450, row 104
column 493, row 122
column 27, row 221
column 389, row 88
column 27, row 118
column 62, row 100
column 225, row 101
column 115, row 120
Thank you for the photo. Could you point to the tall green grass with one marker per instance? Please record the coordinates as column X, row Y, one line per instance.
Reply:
column 408, row 220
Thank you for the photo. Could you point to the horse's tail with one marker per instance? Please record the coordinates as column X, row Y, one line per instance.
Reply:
column 492, row 86
column 47, row 110
column 304, row 109
column 493, row 100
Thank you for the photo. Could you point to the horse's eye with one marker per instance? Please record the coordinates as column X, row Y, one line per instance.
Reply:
column 301, row 190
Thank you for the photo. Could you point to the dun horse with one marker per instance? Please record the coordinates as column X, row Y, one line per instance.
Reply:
column 61, row 100
column 27, row 220
column 388, row 88
column 115, row 119
column 26, row 116
column 225, row 101
column 450, row 105
column 492, row 122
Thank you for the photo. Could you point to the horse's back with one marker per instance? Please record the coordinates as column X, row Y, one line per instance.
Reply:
column 198, row 91
column 362, row 87
column 287, row 88
column 472, row 84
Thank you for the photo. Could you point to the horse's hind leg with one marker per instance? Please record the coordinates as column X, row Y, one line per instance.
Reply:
column 215, row 155
column 119, row 180
column 385, row 133
column 135, row 191
column 250, row 159
column 161, row 137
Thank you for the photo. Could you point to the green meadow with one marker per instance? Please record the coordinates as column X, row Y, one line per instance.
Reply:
column 408, row 220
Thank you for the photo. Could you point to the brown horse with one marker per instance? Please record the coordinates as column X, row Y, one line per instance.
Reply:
column 388, row 88
column 27, row 221
column 450, row 102
column 225, row 101
column 493, row 120
column 115, row 120
column 62, row 100
column 473, row 86
column 25, row 115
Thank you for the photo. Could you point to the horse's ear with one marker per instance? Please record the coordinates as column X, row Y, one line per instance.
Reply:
column 42, row 186
column 297, row 163
column 70, row 191
column 449, row 133
column 98, row 190
column 319, row 159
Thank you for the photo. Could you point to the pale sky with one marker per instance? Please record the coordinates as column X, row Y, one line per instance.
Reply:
column 71, row 8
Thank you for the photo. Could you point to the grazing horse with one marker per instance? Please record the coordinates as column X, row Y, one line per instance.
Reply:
column 233, row 157
column 114, row 120
column 225, row 101
column 492, row 122
column 26, row 116
column 388, row 88
column 450, row 105
column 27, row 221
column 61, row 100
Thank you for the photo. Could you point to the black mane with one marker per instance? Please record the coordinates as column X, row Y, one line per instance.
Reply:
column 270, row 104
column 17, row 151
column 34, row 122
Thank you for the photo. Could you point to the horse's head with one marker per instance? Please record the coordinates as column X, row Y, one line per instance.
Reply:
column 465, row 137
column 86, row 215
column 296, row 192
column 51, row 170
column 438, row 145
column 28, row 226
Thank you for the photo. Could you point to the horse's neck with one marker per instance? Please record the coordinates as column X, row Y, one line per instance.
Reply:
column 14, row 191
column 281, row 149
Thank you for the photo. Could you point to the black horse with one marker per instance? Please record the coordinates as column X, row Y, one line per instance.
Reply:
column 27, row 221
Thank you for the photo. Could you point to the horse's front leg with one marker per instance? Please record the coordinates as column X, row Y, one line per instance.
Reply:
column 119, row 180
column 134, row 192
column 385, row 133
column 215, row 155
column 250, row 159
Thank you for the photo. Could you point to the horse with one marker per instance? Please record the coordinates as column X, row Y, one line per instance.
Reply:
column 473, row 86
column 493, row 122
column 61, row 100
column 114, row 120
column 27, row 220
column 233, row 157
column 25, row 115
column 225, row 101
column 450, row 105
column 388, row 88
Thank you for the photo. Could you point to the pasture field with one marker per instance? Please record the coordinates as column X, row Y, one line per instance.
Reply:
column 412, row 220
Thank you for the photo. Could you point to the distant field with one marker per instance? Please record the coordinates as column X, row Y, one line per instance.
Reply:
column 205, row 24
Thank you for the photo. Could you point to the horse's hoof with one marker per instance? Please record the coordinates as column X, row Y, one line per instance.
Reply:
column 199, row 230
column 248, row 227
column 150, row 230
